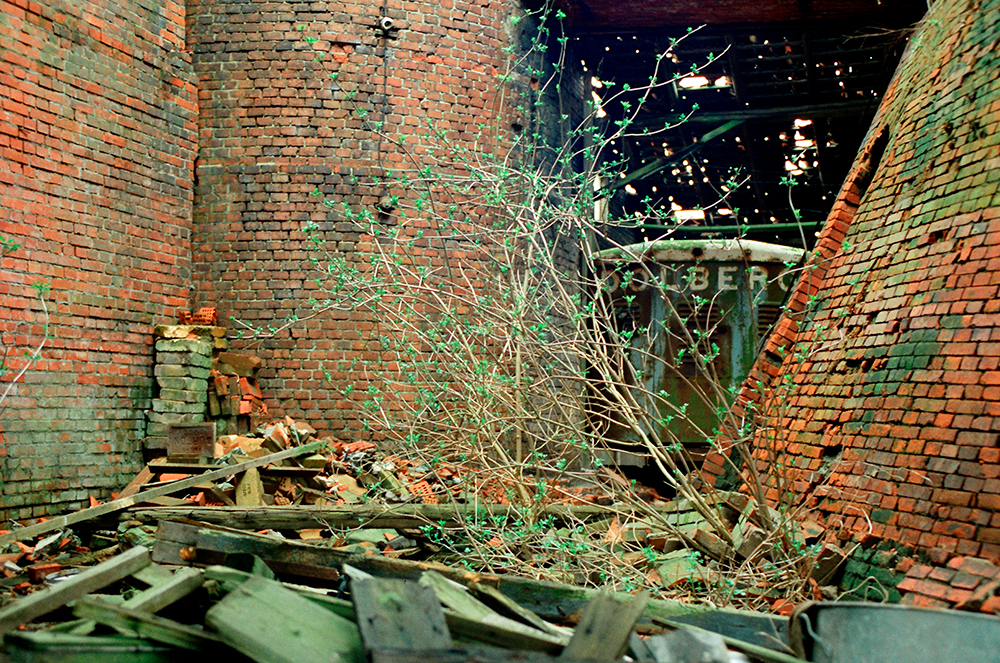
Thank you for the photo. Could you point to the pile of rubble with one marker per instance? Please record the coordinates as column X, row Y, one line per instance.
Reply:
column 342, row 540
column 355, row 498
column 222, row 592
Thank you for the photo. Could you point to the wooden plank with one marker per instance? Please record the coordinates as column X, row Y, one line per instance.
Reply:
column 231, row 578
column 199, row 468
column 144, row 476
column 154, row 599
column 249, row 489
column 52, row 647
column 398, row 614
column 185, row 543
column 46, row 600
column 153, row 575
column 165, row 588
column 493, row 598
column 468, row 654
column 146, row 625
column 605, row 627
column 59, row 522
column 297, row 517
column 473, row 619
column 272, row 624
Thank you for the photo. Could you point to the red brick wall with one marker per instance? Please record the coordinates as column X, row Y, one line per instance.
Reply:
column 883, row 382
column 97, row 141
column 281, row 88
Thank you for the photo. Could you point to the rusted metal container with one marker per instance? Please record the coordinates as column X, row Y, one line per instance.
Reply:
column 672, row 297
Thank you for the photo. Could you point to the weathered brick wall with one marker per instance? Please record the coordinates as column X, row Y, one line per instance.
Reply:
column 97, row 141
column 285, row 92
column 880, row 390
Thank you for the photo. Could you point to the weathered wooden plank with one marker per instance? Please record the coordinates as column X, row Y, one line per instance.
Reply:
column 46, row 600
column 398, row 614
column 605, row 627
column 183, row 582
column 469, row 654
column 554, row 601
column 144, row 476
column 59, row 522
column 231, row 578
column 146, row 625
column 374, row 515
column 154, row 574
column 475, row 620
column 272, row 624
column 199, row 468
column 185, row 543
column 165, row 588
column 493, row 598
column 52, row 647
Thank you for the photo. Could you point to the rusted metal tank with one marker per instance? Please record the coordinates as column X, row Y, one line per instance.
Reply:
column 721, row 295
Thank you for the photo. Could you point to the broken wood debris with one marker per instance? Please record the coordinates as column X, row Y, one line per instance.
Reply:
column 397, row 610
column 119, row 504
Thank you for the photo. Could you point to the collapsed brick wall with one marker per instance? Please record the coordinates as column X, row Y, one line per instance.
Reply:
column 97, row 137
column 285, row 92
column 878, row 397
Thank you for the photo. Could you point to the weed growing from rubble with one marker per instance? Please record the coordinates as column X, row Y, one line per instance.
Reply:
column 503, row 336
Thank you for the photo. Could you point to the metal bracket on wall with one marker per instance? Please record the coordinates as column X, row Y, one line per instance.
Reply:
column 387, row 27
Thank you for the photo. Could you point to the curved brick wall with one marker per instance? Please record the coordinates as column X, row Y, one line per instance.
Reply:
column 281, row 88
column 883, row 383
column 97, row 141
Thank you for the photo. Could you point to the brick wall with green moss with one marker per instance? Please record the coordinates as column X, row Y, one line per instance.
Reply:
column 880, row 389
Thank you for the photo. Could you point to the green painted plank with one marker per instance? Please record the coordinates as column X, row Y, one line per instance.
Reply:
column 398, row 614
column 473, row 619
column 183, row 582
column 605, row 627
column 272, row 624
column 147, row 625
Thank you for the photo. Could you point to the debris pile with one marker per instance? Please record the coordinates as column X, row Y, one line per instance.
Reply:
column 223, row 592
column 354, row 498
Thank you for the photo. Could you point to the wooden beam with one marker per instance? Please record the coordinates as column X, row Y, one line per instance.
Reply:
column 398, row 516
column 651, row 169
column 199, row 468
column 59, row 522
column 812, row 111
column 473, row 619
column 182, row 582
column 42, row 602
column 605, row 627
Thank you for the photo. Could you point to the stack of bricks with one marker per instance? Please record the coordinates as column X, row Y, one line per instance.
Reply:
column 184, row 355
column 235, row 400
